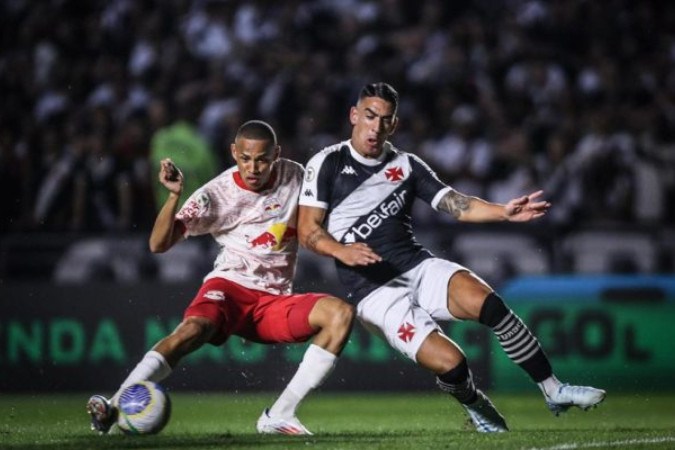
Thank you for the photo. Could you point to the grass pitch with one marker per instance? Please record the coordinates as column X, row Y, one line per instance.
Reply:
column 349, row 421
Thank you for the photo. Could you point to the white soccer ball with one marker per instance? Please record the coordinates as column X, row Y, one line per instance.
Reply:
column 143, row 408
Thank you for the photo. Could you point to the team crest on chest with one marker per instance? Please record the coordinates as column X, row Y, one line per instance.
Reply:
column 272, row 207
column 309, row 174
column 394, row 174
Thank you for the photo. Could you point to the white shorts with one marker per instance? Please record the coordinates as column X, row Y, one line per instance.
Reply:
column 405, row 310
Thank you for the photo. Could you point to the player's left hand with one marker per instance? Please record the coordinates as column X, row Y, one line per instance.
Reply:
column 171, row 176
column 357, row 254
column 526, row 208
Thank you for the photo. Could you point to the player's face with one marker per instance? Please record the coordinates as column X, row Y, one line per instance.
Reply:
column 255, row 160
column 373, row 121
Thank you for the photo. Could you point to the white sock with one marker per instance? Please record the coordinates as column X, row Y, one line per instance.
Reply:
column 315, row 367
column 549, row 385
column 153, row 367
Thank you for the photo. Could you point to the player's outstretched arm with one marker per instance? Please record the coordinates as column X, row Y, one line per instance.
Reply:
column 314, row 237
column 473, row 209
column 164, row 233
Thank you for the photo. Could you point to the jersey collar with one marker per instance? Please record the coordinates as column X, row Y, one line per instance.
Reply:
column 369, row 161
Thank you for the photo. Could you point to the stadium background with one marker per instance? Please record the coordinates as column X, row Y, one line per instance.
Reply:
column 501, row 97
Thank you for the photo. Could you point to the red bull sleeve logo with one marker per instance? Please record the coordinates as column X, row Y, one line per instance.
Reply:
column 196, row 206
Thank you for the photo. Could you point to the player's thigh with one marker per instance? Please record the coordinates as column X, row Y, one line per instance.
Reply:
column 434, row 278
column 284, row 318
column 223, row 303
column 389, row 313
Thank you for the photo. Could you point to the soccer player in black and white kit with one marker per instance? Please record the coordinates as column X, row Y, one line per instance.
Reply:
column 356, row 204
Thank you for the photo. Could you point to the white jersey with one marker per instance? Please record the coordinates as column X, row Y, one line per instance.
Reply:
column 371, row 201
column 256, row 231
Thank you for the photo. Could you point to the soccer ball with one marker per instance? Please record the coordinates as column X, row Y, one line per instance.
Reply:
column 143, row 408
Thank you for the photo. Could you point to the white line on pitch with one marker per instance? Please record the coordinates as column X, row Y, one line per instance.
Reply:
column 575, row 446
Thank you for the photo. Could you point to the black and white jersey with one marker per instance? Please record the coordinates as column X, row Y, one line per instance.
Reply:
column 371, row 201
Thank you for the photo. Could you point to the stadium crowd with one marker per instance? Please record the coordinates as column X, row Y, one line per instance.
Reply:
column 502, row 97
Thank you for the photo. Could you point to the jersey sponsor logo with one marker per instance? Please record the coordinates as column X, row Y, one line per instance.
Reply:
column 276, row 237
column 406, row 332
column 348, row 170
column 394, row 174
column 308, row 193
column 272, row 207
column 388, row 208
column 215, row 295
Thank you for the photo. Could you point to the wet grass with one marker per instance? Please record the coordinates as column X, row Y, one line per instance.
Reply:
column 348, row 421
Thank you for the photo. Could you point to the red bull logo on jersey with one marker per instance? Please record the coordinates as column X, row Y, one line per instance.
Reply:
column 272, row 207
column 265, row 240
column 386, row 209
column 276, row 237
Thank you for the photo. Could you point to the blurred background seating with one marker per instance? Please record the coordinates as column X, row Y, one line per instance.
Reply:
column 500, row 98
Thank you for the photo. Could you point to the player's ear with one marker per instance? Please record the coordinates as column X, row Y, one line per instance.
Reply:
column 233, row 150
column 353, row 115
column 277, row 152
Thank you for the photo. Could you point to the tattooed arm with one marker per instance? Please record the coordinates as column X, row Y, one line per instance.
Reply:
column 473, row 209
column 314, row 237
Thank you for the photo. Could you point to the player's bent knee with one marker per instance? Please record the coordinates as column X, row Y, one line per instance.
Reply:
column 342, row 314
column 334, row 314
column 194, row 329
column 439, row 354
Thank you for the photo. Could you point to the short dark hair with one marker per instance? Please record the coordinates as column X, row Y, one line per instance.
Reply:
column 257, row 130
column 381, row 90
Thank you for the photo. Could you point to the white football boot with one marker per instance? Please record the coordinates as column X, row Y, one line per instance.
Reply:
column 566, row 396
column 274, row 425
column 485, row 416
column 103, row 413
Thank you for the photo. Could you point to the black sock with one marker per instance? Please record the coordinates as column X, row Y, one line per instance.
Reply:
column 458, row 382
column 515, row 338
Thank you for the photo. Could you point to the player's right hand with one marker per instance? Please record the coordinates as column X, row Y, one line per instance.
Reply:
column 357, row 254
column 170, row 176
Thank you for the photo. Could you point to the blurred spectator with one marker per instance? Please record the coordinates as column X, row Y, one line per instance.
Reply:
column 462, row 157
column 182, row 142
column 499, row 95
column 513, row 171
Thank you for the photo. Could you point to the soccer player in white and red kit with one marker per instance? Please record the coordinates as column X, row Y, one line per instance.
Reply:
column 251, row 211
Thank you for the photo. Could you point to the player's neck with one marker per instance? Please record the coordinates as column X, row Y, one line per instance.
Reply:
column 367, row 161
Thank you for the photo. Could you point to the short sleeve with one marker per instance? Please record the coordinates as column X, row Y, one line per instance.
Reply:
column 428, row 186
column 316, row 185
column 199, row 212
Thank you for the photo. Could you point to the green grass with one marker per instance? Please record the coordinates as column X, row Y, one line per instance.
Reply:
column 348, row 421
